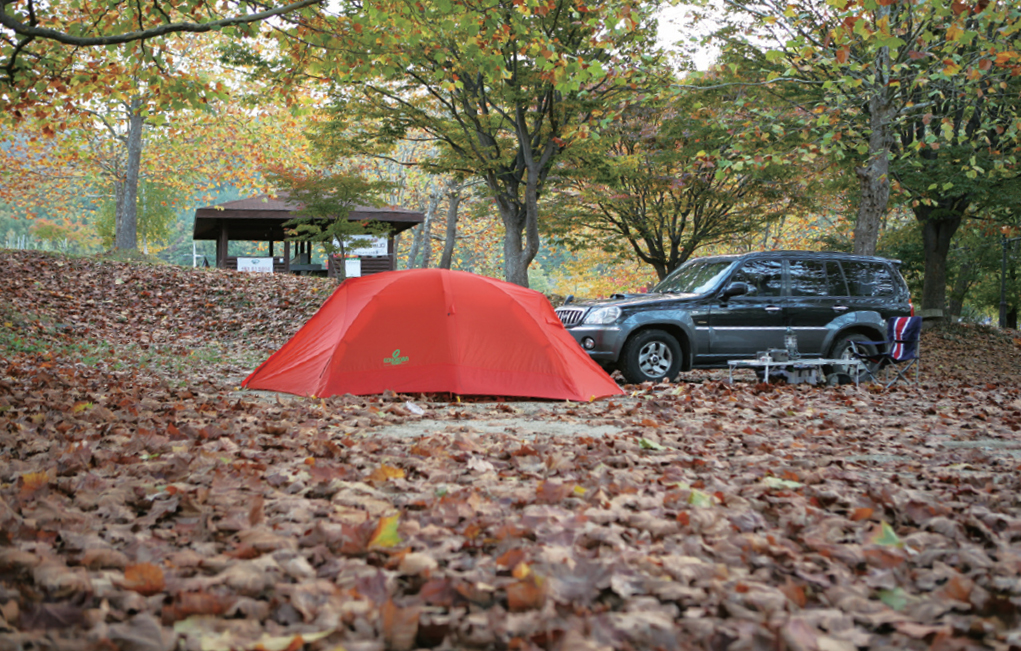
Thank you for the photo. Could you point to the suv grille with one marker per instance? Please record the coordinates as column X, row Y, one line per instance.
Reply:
column 570, row 316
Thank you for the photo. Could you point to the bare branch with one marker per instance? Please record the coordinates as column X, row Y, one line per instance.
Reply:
column 34, row 31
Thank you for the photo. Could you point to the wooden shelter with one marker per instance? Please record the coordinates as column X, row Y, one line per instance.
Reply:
column 262, row 219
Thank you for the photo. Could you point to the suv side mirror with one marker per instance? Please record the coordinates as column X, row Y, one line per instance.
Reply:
column 735, row 289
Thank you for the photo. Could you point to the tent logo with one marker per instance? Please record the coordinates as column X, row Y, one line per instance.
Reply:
column 395, row 359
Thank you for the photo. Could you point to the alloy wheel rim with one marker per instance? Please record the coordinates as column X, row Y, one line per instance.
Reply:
column 655, row 358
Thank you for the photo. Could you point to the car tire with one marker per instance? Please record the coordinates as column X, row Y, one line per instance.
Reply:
column 650, row 356
column 842, row 350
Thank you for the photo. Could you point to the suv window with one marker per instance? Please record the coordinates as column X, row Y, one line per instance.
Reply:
column 816, row 278
column 869, row 279
column 696, row 277
column 764, row 277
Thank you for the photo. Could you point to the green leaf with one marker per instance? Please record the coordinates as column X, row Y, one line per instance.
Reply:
column 889, row 41
column 896, row 598
column 206, row 632
column 646, row 444
column 776, row 482
column 700, row 499
column 386, row 534
column 886, row 536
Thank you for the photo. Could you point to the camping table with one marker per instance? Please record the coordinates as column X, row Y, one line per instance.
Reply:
column 306, row 269
column 766, row 364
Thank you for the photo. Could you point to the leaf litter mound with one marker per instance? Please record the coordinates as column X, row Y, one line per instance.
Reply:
column 147, row 505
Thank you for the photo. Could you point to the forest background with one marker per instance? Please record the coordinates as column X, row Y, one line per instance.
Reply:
column 580, row 149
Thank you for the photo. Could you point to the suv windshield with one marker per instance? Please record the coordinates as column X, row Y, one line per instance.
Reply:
column 695, row 277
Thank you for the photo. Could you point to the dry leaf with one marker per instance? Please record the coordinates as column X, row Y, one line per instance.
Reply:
column 255, row 513
column 385, row 472
column 32, row 482
column 400, row 626
column 417, row 563
column 144, row 578
column 861, row 513
column 527, row 594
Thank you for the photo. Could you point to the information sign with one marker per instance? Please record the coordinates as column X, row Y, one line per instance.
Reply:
column 256, row 265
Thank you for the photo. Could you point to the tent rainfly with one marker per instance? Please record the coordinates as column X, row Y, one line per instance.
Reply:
column 434, row 330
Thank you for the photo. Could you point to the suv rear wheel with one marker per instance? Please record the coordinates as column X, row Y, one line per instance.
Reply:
column 650, row 356
column 842, row 350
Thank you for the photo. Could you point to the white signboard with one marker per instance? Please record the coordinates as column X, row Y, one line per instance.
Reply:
column 256, row 265
column 375, row 246
column 353, row 267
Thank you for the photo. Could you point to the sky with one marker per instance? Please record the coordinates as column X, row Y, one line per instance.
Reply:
column 675, row 26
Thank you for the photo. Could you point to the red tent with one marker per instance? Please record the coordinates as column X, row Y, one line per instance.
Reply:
column 434, row 330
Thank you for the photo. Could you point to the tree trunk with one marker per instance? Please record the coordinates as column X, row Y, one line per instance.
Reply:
column 341, row 267
column 939, row 223
column 421, row 239
column 118, row 223
column 875, row 176
column 513, row 271
column 427, row 241
column 140, row 220
column 520, row 240
column 1012, row 309
column 449, row 238
column 963, row 282
column 521, row 226
column 126, row 236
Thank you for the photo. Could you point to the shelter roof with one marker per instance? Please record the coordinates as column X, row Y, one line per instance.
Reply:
column 261, row 218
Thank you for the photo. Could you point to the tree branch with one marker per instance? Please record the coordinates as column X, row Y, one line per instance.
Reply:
column 33, row 31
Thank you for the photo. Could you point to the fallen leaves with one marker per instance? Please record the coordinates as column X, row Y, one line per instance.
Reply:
column 137, row 512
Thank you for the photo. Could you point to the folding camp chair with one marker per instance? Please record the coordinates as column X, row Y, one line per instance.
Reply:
column 898, row 350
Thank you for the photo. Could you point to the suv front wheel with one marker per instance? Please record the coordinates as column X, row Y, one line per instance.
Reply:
column 650, row 356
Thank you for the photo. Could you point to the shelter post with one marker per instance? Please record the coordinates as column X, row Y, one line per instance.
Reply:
column 221, row 247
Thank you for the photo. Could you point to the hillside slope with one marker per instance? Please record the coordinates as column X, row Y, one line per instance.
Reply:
column 177, row 322
column 226, row 323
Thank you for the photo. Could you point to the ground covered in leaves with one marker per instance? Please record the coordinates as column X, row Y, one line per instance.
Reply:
column 146, row 504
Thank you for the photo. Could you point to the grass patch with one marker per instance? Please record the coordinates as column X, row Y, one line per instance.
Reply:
column 28, row 334
column 121, row 255
column 23, row 333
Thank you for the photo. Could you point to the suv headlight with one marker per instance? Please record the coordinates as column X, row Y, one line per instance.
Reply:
column 602, row 316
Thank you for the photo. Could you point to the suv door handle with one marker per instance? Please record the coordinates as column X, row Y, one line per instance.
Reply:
column 840, row 308
column 773, row 308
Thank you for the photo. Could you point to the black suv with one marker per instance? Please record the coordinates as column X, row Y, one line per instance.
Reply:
column 720, row 308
